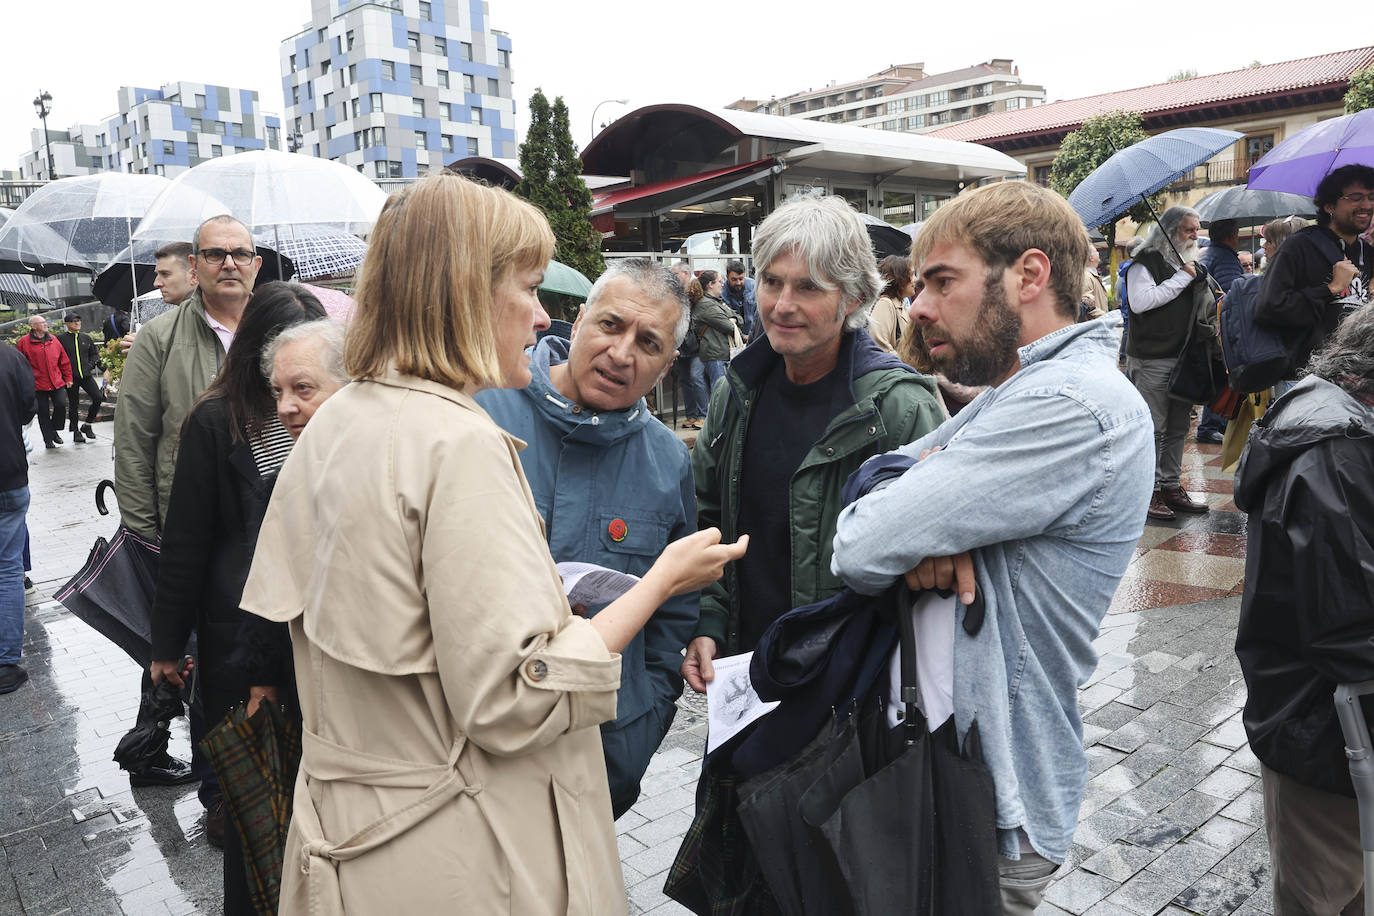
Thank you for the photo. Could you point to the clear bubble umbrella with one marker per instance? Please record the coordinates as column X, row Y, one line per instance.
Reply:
column 269, row 192
column 39, row 250
column 94, row 216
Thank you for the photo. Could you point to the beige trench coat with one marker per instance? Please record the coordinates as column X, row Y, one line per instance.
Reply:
column 451, row 763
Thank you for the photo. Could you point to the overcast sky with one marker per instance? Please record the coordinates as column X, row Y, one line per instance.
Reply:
column 706, row 52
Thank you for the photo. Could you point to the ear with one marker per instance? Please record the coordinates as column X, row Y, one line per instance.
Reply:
column 1031, row 273
column 667, row 368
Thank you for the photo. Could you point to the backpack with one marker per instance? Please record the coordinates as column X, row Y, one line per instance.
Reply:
column 1256, row 356
column 691, row 343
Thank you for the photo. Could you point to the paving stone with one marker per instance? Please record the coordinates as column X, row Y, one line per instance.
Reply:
column 1156, row 833
column 1186, row 860
column 1200, row 758
column 1212, row 895
column 1147, row 893
column 1112, row 716
column 1248, row 807
column 1101, row 758
column 1179, row 733
column 1193, row 808
column 1230, row 734
column 1223, row 833
column 1245, row 761
column 1078, row 891
column 1100, row 828
column 1119, row 861
column 1248, row 864
column 1226, row 783
column 1128, row 737
column 1149, row 758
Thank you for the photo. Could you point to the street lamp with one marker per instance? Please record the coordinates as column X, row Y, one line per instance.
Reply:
column 294, row 141
column 42, row 104
column 598, row 108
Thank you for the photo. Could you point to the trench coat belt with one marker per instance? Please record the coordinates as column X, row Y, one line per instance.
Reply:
column 323, row 760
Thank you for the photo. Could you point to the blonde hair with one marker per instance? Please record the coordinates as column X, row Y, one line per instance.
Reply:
column 1001, row 222
column 424, row 300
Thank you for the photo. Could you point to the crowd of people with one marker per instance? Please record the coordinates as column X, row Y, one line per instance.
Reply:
column 361, row 525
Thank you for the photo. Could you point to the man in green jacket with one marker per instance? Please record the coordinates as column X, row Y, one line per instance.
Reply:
column 174, row 358
column 804, row 405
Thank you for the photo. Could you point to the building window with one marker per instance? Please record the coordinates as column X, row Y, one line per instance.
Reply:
column 426, row 10
column 421, row 169
column 322, row 35
column 200, row 100
column 493, row 86
column 349, row 40
column 467, row 83
column 169, row 148
column 443, row 79
column 446, row 141
column 393, row 169
column 352, row 73
column 417, row 107
column 328, row 99
column 413, row 40
column 388, row 70
column 362, row 139
column 298, row 125
column 472, row 146
column 937, row 98
column 1255, row 147
column 476, row 115
column 357, row 107
column 293, row 68
column 379, row 167
column 1013, row 104
column 445, row 111
column 216, row 151
column 441, row 46
column 421, row 140
column 417, row 74
column 310, row 121
column 324, row 66
column 374, row 101
column 465, row 50
column 378, row 136
column 1041, row 175
column 217, row 127
column 503, row 58
column 894, row 107
column 273, row 137
column 159, row 170
column 195, row 127
column 329, row 132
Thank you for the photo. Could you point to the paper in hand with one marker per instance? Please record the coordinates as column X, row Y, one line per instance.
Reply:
column 589, row 584
column 731, row 702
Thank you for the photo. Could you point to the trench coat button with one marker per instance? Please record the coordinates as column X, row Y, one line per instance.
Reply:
column 829, row 452
column 872, row 430
column 537, row 670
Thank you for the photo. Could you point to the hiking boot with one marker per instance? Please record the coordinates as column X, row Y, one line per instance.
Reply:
column 86, row 429
column 1177, row 498
column 11, row 676
column 168, row 771
column 1159, row 508
column 56, row 439
column 77, row 437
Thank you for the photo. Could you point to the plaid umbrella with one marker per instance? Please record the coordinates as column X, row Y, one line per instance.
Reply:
column 256, row 758
column 318, row 251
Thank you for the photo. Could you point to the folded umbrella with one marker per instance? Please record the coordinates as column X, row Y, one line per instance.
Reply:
column 113, row 593
column 1299, row 163
column 256, row 758
column 145, row 744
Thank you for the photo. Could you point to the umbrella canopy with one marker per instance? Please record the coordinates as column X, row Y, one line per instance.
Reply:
column 1142, row 169
column 93, row 215
column 1298, row 164
column 113, row 593
column 20, row 290
column 268, row 191
column 337, row 304
column 560, row 278
column 39, row 250
column 114, row 288
column 1251, row 208
column 319, row 251
column 886, row 238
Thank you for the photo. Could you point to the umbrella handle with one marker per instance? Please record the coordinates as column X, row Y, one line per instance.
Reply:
column 100, row 489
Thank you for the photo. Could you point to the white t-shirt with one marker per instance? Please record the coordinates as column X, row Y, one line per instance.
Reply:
column 934, row 619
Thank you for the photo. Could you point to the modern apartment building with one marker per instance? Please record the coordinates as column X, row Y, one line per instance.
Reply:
column 395, row 88
column 905, row 98
column 158, row 132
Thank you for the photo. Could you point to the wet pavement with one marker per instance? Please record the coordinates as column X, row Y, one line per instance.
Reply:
column 1171, row 821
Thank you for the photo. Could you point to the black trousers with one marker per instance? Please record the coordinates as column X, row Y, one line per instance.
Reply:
column 52, row 412
column 92, row 389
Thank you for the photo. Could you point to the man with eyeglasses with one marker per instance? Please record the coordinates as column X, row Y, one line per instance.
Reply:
column 173, row 359
column 1322, row 273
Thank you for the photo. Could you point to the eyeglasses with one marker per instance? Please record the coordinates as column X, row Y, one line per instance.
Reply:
column 1358, row 199
column 215, row 256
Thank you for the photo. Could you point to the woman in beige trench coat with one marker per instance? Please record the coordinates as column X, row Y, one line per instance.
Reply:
column 448, row 694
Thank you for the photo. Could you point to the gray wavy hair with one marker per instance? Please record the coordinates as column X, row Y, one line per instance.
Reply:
column 828, row 234
column 1165, row 231
column 1348, row 359
column 659, row 283
column 331, row 337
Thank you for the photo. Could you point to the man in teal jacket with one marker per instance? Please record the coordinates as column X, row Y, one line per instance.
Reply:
column 613, row 484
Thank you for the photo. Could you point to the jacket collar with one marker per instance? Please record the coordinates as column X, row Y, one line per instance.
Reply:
column 574, row 421
column 394, row 378
column 857, row 349
column 1087, row 334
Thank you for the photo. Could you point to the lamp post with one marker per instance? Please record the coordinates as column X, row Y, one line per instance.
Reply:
column 294, row 141
column 42, row 104
column 598, row 108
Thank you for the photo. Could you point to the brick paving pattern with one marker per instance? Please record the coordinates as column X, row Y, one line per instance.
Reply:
column 1171, row 820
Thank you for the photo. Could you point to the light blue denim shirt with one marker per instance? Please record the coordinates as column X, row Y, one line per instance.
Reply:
column 1046, row 478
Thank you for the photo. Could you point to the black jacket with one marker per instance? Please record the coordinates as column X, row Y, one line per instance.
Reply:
column 217, row 504
column 1306, row 620
column 17, row 407
column 1294, row 297
column 82, row 353
column 1162, row 332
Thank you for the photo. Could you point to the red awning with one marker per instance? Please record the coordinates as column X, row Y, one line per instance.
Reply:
column 676, row 192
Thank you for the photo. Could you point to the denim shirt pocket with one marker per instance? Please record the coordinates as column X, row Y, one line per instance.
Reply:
column 633, row 532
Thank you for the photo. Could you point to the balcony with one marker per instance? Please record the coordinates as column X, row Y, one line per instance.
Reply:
column 1222, row 173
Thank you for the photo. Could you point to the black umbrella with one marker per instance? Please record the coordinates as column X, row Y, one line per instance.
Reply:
column 145, row 744
column 113, row 287
column 1251, row 208
column 886, row 238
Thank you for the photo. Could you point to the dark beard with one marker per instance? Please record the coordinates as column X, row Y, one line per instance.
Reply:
column 986, row 357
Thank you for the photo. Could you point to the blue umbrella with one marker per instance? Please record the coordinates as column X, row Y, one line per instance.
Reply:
column 1139, row 170
column 1298, row 164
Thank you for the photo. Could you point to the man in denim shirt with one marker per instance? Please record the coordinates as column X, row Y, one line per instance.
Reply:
column 1036, row 490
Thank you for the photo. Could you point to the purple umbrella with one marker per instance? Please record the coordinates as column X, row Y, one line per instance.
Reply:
column 1298, row 164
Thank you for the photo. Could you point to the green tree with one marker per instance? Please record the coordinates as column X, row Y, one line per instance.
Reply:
column 1361, row 94
column 552, row 180
column 1088, row 147
column 1184, row 74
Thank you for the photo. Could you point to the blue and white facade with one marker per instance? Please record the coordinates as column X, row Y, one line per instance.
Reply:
column 159, row 132
column 397, row 88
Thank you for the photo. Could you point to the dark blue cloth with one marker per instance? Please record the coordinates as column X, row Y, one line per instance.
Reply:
column 1221, row 262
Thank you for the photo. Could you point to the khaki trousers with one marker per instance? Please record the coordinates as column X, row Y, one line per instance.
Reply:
column 1314, row 849
column 1023, row 882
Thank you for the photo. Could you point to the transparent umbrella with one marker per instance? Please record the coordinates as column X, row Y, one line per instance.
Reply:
column 269, row 191
column 94, row 216
column 37, row 250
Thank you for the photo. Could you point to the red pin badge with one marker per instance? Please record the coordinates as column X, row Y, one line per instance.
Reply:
column 617, row 529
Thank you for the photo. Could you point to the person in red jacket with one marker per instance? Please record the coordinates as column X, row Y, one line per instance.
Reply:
column 52, row 375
